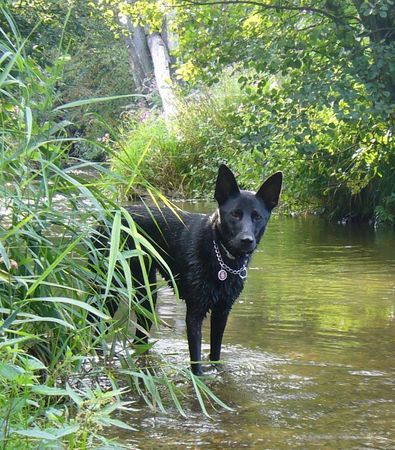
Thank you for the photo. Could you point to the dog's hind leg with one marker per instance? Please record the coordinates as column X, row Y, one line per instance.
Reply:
column 219, row 317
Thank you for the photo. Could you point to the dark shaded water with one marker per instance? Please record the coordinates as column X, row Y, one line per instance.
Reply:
column 309, row 348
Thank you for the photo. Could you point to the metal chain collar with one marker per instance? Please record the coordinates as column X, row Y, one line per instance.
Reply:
column 222, row 275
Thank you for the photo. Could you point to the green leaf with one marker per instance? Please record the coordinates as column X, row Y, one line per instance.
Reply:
column 90, row 101
column 14, row 341
column 73, row 395
column 54, row 264
column 71, row 301
column 48, row 390
column 115, row 422
column 5, row 56
column 9, row 320
column 8, row 68
column 174, row 397
column 4, row 256
column 196, row 384
column 29, row 124
column 114, row 249
column 65, row 431
column 13, row 319
column 36, row 434
column 34, row 364
column 10, row 371
column 19, row 225
column 46, row 319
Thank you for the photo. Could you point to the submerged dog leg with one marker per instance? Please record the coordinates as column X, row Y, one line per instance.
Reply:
column 194, row 331
column 219, row 318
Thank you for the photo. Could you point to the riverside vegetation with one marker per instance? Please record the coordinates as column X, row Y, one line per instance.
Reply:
column 310, row 90
column 52, row 391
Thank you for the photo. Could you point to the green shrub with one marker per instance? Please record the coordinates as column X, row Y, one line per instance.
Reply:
column 337, row 158
column 98, row 68
column 96, row 64
column 148, row 152
column 208, row 129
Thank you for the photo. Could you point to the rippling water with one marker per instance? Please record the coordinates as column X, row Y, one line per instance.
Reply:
column 309, row 348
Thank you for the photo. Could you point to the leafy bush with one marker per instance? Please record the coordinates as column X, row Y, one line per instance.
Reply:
column 148, row 152
column 208, row 130
column 96, row 69
column 95, row 64
column 335, row 160
column 338, row 156
column 320, row 94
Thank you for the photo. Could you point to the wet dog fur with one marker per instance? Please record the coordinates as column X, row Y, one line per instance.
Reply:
column 186, row 242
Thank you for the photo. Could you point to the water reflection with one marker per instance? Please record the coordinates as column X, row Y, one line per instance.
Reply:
column 308, row 349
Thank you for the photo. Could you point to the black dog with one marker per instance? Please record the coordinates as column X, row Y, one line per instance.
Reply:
column 208, row 255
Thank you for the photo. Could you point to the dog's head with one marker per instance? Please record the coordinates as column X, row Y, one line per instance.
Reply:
column 243, row 215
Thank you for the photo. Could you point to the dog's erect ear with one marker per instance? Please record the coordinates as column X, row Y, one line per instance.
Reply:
column 270, row 190
column 226, row 185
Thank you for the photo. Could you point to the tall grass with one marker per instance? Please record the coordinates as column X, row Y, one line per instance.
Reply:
column 149, row 152
column 182, row 157
column 54, row 281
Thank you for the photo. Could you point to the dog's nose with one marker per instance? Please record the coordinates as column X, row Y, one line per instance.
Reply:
column 247, row 240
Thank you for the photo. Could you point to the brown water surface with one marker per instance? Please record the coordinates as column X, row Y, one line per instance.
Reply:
column 309, row 348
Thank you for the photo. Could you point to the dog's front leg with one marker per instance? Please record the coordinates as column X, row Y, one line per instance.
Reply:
column 219, row 317
column 194, row 331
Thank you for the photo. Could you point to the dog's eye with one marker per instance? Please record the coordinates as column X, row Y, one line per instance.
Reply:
column 237, row 213
column 256, row 216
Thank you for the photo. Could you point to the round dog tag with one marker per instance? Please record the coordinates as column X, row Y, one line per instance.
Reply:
column 222, row 275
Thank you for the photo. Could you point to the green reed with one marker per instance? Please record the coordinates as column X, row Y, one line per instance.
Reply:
column 54, row 281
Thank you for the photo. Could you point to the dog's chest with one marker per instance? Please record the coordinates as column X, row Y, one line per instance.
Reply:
column 206, row 290
column 201, row 279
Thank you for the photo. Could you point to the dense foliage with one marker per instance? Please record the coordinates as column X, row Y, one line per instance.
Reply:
column 59, row 385
column 320, row 92
column 316, row 85
column 95, row 64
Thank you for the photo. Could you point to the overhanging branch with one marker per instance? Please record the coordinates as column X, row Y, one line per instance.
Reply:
column 305, row 9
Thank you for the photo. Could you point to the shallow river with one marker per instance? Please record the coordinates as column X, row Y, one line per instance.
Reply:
column 309, row 348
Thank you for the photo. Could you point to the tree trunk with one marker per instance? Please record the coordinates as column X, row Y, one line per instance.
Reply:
column 140, row 60
column 149, row 60
column 161, row 62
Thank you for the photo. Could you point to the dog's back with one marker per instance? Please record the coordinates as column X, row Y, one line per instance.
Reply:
column 173, row 233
